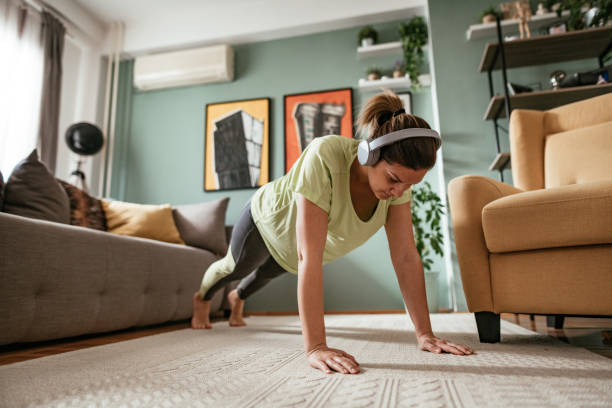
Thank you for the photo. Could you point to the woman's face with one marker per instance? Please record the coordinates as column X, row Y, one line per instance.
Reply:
column 387, row 180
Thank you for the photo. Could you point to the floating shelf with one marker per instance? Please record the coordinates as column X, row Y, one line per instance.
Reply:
column 393, row 83
column 477, row 31
column 543, row 100
column 379, row 50
column 546, row 49
column 500, row 162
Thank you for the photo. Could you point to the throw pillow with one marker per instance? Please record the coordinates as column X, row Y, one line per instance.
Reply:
column 32, row 191
column 202, row 225
column 85, row 211
column 1, row 190
column 141, row 220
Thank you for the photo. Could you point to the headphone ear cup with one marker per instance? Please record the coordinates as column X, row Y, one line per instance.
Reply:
column 374, row 157
column 363, row 152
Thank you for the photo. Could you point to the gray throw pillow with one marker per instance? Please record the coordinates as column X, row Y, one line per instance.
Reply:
column 32, row 191
column 202, row 225
column 1, row 190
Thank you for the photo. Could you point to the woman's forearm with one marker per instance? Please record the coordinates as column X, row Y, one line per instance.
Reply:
column 310, row 304
column 411, row 280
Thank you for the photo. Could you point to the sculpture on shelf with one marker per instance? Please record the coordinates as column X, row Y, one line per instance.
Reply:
column 523, row 12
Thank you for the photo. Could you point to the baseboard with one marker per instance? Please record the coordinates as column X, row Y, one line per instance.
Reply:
column 330, row 312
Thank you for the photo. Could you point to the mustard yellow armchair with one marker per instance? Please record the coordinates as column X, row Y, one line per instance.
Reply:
column 544, row 245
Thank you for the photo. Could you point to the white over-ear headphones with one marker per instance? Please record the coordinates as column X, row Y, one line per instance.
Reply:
column 368, row 151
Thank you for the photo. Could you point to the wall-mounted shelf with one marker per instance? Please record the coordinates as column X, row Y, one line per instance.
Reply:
column 500, row 162
column 543, row 100
column 379, row 50
column 392, row 83
column 546, row 49
column 477, row 31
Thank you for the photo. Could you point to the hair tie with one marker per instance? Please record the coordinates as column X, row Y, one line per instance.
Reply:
column 386, row 115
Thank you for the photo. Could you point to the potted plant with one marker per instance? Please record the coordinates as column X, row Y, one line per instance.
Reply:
column 398, row 69
column 427, row 211
column 367, row 36
column 373, row 73
column 576, row 15
column 413, row 36
column 489, row 15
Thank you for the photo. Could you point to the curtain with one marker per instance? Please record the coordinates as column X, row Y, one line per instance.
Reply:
column 53, row 38
column 21, row 71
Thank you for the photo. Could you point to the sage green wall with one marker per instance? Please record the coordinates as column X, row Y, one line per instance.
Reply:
column 463, row 94
column 160, row 144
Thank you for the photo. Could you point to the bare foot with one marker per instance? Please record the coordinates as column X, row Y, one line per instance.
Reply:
column 201, row 311
column 237, row 304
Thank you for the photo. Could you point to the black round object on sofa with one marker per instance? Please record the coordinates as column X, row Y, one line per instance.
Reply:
column 84, row 138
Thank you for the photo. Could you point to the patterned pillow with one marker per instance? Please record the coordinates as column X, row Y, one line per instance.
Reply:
column 85, row 211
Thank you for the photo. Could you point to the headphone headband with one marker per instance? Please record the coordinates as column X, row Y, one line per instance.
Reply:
column 368, row 151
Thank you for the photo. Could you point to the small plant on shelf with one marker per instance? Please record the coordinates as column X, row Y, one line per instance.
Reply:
column 367, row 36
column 427, row 210
column 413, row 37
column 398, row 69
column 373, row 73
column 489, row 15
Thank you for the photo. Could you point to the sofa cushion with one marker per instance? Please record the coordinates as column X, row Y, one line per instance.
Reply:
column 202, row 225
column 578, row 214
column 32, row 191
column 85, row 211
column 141, row 220
column 1, row 190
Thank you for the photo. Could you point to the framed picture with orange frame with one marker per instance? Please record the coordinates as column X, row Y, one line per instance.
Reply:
column 314, row 114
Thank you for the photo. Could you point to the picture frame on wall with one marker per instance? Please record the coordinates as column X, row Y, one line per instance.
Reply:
column 314, row 114
column 406, row 98
column 237, row 144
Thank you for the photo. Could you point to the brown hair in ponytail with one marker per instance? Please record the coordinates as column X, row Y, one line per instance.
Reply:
column 415, row 153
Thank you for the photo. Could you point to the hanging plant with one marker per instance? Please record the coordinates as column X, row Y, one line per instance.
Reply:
column 413, row 36
column 427, row 210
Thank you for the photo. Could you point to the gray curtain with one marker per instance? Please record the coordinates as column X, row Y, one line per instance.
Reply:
column 52, row 36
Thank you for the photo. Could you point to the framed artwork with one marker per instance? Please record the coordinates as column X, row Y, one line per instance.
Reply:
column 237, row 144
column 314, row 114
column 406, row 98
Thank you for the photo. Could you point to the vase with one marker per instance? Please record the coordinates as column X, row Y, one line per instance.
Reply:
column 366, row 42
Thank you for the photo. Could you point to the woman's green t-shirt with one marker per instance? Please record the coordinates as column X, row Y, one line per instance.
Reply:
column 322, row 175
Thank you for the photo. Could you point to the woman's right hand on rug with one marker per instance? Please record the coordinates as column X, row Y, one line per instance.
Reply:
column 325, row 359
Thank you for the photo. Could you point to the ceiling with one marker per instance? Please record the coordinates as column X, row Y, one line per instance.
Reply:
column 160, row 25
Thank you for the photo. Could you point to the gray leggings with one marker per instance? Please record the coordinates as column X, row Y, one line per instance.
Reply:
column 254, row 264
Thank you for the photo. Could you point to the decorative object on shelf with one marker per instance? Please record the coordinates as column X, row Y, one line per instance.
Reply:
column 84, row 139
column 541, row 10
column 597, row 76
column 373, row 73
column 398, row 69
column 237, row 144
column 510, row 9
column 367, row 36
column 599, row 14
column 314, row 114
column 523, row 12
column 556, row 78
column 427, row 211
column 413, row 36
column 514, row 89
column 489, row 15
column 576, row 15
column 557, row 28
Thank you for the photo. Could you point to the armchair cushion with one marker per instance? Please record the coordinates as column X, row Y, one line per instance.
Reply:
column 578, row 214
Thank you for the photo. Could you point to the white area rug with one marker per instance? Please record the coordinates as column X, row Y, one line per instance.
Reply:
column 262, row 365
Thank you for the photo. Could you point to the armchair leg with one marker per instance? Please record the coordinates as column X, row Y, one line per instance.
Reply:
column 488, row 326
column 555, row 321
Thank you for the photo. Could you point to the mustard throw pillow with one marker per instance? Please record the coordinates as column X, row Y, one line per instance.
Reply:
column 141, row 220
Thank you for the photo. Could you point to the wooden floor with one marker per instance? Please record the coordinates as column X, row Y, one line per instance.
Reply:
column 594, row 334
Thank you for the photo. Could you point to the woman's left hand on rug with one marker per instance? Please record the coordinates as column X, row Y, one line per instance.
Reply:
column 429, row 342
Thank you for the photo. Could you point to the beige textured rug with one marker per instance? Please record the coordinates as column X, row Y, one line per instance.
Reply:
column 262, row 365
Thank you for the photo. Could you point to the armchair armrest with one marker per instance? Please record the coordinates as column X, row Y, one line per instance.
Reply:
column 467, row 196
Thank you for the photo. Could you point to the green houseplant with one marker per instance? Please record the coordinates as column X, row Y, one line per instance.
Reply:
column 367, row 32
column 427, row 211
column 413, row 36
column 489, row 15
column 373, row 73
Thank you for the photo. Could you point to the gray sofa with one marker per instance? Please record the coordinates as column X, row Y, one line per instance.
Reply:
column 59, row 280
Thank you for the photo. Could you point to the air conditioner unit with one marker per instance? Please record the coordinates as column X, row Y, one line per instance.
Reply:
column 181, row 68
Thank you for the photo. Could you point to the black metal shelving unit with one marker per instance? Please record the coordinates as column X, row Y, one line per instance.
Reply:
column 574, row 45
